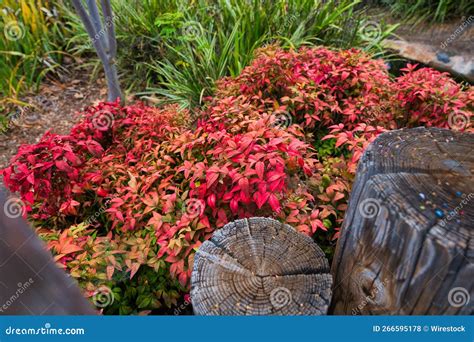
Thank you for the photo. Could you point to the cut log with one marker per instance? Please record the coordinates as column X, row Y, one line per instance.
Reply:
column 259, row 266
column 30, row 281
column 406, row 245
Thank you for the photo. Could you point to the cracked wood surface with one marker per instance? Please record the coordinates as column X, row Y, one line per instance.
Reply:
column 406, row 244
column 259, row 266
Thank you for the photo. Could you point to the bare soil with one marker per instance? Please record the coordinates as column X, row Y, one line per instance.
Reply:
column 55, row 107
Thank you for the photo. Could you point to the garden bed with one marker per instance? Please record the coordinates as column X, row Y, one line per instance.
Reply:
column 126, row 198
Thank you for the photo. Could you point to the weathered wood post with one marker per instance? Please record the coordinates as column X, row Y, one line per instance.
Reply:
column 259, row 266
column 407, row 245
column 30, row 281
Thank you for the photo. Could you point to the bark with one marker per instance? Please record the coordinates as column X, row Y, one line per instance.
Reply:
column 30, row 281
column 406, row 245
column 102, row 35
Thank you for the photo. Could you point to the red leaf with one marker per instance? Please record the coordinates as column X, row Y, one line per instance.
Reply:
column 274, row 203
column 260, row 168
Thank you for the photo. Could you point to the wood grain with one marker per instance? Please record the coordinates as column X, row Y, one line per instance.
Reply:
column 406, row 244
column 30, row 281
column 259, row 266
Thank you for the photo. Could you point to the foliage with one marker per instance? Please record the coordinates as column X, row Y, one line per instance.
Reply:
column 171, row 185
column 127, row 197
column 318, row 86
column 430, row 10
column 175, row 49
column 430, row 98
column 32, row 45
column 179, row 49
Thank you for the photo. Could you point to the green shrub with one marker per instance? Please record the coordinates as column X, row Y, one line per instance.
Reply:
column 178, row 49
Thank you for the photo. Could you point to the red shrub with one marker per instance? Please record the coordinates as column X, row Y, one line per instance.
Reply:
column 355, row 140
column 430, row 98
column 132, row 192
column 45, row 173
column 318, row 87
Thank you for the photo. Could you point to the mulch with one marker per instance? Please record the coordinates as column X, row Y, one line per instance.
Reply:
column 54, row 107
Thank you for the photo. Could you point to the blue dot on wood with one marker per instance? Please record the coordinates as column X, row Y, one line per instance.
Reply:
column 439, row 213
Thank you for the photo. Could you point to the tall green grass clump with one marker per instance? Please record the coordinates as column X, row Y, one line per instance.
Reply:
column 177, row 49
column 32, row 36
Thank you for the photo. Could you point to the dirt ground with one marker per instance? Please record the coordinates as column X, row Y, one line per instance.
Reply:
column 55, row 107
column 456, row 35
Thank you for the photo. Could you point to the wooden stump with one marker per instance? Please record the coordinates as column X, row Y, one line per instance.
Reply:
column 259, row 266
column 406, row 245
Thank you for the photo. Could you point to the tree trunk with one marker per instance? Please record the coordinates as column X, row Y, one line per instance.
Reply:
column 406, row 245
column 103, row 39
column 259, row 266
